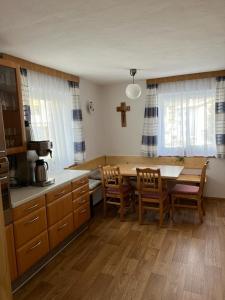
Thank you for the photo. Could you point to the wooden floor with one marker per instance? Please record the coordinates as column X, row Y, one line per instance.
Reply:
column 115, row 260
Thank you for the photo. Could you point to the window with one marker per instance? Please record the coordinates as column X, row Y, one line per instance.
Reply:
column 187, row 118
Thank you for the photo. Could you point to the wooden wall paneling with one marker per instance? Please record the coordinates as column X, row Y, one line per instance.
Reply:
column 5, row 283
column 39, row 68
column 187, row 162
column 193, row 76
column 91, row 164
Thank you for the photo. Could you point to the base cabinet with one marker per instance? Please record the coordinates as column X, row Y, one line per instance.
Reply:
column 32, row 252
column 60, row 231
column 43, row 223
column 81, row 215
column 11, row 251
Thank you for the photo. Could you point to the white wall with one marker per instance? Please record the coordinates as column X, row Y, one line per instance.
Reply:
column 127, row 141
column 122, row 140
column 93, row 129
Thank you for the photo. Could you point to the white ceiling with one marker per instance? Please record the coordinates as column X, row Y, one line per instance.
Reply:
column 102, row 39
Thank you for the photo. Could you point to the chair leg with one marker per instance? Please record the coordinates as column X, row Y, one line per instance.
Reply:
column 200, row 211
column 203, row 206
column 140, row 212
column 172, row 207
column 104, row 206
column 161, row 215
column 121, row 209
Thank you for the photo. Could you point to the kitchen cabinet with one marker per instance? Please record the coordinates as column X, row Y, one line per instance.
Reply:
column 58, row 209
column 32, row 252
column 44, row 222
column 60, row 231
column 12, row 107
column 81, row 202
column 11, row 251
column 30, row 233
column 30, row 226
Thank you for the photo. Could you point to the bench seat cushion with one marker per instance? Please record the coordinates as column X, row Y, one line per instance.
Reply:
column 93, row 183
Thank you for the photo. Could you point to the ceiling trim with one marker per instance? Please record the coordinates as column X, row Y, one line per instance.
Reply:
column 39, row 68
column 192, row 76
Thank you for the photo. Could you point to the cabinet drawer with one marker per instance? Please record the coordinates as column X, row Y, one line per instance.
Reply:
column 80, row 201
column 58, row 209
column 58, row 193
column 28, row 207
column 59, row 231
column 30, row 226
column 80, row 192
column 79, row 183
column 31, row 252
column 81, row 215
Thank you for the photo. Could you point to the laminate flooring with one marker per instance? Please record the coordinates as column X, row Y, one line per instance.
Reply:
column 125, row 260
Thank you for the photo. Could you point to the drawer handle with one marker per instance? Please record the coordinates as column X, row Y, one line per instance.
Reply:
column 83, row 191
column 83, row 211
column 3, row 178
column 35, row 246
column 83, row 201
column 62, row 226
column 33, row 220
column 32, row 207
column 60, row 194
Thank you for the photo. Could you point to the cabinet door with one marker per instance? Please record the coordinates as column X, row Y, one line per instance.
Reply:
column 2, row 135
column 12, row 107
column 32, row 252
column 30, row 226
column 59, row 231
column 11, row 251
column 81, row 215
column 59, row 208
column 5, row 285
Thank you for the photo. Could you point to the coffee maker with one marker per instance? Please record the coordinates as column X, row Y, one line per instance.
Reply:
column 42, row 148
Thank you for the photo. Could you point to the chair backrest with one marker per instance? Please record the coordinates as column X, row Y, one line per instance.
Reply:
column 111, row 176
column 149, row 181
column 203, row 176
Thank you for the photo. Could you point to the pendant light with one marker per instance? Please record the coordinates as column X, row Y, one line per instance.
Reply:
column 133, row 90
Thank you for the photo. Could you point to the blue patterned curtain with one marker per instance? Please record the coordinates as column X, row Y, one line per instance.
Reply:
column 150, row 129
column 220, row 116
column 79, row 143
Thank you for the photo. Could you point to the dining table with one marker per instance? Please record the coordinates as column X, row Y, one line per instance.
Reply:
column 168, row 172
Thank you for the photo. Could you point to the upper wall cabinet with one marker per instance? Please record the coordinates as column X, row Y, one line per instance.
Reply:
column 12, row 107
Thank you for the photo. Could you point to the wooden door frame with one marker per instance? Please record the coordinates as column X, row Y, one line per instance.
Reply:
column 5, row 282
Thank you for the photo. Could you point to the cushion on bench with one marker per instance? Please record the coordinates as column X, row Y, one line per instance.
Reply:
column 93, row 183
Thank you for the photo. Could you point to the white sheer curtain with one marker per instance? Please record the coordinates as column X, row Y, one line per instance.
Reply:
column 187, row 118
column 51, row 116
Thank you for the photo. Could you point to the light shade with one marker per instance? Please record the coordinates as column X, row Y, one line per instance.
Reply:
column 133, row 91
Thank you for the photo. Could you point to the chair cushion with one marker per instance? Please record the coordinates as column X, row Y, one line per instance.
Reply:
column 125, row 189
column 93, row 183
column 185, row 189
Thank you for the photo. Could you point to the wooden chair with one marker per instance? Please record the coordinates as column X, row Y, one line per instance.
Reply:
column 151, row 194
column 115, row 191
column 189, row 196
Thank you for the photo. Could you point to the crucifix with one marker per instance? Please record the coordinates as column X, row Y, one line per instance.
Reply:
column 123, row 109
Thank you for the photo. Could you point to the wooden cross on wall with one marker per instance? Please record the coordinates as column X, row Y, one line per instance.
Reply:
column 123, row 109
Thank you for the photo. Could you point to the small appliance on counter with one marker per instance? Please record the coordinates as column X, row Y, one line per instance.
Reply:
column 42, row 148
